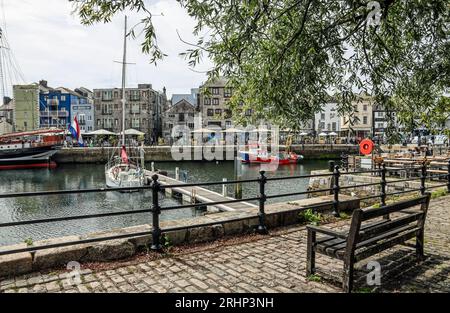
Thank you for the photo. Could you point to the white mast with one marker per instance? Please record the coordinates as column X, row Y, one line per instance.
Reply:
column 124, row 64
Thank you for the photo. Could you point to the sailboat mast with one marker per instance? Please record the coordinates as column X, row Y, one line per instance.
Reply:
column 124, row 64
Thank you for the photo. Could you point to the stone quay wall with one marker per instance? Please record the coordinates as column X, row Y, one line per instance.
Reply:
column 163, row 153
column 189, row 231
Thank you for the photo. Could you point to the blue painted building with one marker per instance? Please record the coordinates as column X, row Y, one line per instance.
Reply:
column 55, row 105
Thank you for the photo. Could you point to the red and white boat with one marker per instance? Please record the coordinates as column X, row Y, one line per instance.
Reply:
column 32, row 149
column 258, row 156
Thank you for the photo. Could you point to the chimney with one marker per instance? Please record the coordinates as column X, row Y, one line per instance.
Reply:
column 43, row 83
column 164, row 90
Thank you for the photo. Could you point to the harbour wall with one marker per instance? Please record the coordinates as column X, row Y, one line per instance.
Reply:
column 164, row 153
column 186, row 231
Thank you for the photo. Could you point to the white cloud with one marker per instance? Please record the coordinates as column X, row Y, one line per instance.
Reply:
column 50, row 43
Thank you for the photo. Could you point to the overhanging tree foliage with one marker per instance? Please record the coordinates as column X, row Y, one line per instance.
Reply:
column 285, row 58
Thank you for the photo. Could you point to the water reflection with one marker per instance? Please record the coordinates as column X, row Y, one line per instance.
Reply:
column 92, row 176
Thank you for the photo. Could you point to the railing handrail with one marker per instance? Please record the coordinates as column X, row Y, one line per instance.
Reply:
column 262, row 180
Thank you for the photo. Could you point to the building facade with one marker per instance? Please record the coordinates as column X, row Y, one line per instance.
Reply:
column 181, row 113
column 143, row 110
column 83, row 109
column 213, row 104
column 328, row 120
column 26, row 107
column 362, row 119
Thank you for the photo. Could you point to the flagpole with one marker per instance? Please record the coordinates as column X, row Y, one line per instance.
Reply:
column 124, row 81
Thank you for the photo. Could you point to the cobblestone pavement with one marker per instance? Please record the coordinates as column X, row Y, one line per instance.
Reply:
column 274, row 263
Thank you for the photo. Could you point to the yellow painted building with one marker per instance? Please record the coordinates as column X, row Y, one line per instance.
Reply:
column 26, row 107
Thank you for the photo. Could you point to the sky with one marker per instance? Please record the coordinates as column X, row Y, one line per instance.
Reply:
column 50, row 43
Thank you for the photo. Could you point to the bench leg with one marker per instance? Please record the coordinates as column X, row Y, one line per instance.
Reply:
column 310, row 254
column 347, row 282
column 419, row 245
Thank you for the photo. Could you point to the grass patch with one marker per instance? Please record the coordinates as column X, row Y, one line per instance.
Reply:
column 28, row 241
column 315, row 278
column 310, row 217
column 438, row 193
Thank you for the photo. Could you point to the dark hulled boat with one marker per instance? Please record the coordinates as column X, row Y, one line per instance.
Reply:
column 32, row 149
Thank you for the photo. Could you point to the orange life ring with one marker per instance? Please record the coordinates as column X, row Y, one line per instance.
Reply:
column 366, row 146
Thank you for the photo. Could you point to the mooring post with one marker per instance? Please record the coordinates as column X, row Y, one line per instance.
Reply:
column 423, row 177
column 156, row 211
column 224, row 188
column 153, row 167
column 336, row 188
column 448, row 177
column 262, row 199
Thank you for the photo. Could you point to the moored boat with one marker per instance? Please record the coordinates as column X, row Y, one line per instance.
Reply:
column 259, row 156
column 32, row 149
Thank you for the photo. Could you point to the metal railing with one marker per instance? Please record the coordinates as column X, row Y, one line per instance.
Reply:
column 155, row 209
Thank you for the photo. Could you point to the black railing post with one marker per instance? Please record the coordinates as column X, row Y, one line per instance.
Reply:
column 262, row 229
column 448, row 177
column 336, row 188
column 156, row 210
column 423, row 177
column 383, row 184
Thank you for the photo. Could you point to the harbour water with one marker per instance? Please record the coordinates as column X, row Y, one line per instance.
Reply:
column 86, row 176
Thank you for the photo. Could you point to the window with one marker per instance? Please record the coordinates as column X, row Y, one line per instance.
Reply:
column 210, row 112
column 380, row 114
column 63, row 98
column 116, row 122
column 81, row 118
column 135, row 95
column 215, row 91
column 227, row 92
column 99, row 123
column 135, row 123
column 107, row 95
column 365, row 120
column 365, row 107
column 228, row 124
column 135, row 108
column 181, row 117
column 207, row 101
column 191, row 125
column 332, row 115
column 215, row 101
column 227, row 113
column 116, row 94
column 171, row 115
column 218, row 112
column 334, row 126
column 322, row 116
column 170, row 125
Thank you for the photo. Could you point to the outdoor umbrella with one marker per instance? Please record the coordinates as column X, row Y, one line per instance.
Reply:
column 132, row 132
column 101, row 132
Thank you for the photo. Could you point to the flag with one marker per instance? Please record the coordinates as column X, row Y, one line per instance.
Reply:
column 123, row 155
column 74, row 129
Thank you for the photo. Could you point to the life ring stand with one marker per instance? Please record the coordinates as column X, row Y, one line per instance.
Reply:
column 366, row 146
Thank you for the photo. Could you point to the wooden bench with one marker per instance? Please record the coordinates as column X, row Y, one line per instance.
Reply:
column 368, row 236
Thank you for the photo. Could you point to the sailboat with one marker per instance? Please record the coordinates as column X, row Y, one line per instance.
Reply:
column 122, row 170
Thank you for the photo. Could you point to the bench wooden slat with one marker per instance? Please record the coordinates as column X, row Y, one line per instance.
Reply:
column 387, row 244
column 389, row 225
column 392, row 208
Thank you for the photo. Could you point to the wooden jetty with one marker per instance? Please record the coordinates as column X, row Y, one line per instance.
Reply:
column 199, row 194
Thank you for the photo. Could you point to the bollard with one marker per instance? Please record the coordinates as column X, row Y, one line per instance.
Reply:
column 224, row 188
column 156, row 211
column 153, row 166
column 262, row 199
column 177, row 173
column 423, row 177
column 336, row 189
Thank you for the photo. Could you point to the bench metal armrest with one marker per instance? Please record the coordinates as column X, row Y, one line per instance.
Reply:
column 326, row 231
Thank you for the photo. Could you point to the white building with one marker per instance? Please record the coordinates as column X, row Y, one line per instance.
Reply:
column 328, row 120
